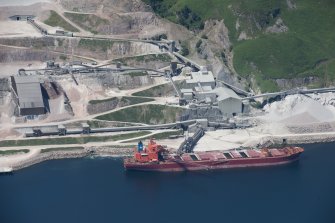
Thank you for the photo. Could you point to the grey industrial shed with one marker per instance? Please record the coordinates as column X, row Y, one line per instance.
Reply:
column 28, row 95
column 202, row 78
column 229, row 102
column 21, row 17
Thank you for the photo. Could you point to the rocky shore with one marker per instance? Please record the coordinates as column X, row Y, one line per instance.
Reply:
column 298, row 139
column 229, row 142
column 121, row 152
column 306, row 138
column 70, row 154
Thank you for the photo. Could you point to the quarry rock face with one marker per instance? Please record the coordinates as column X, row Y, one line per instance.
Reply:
column 12, row 55
column 105, row 5
column 46, row 48
column 218, row 33
column 218, row 52
column 102, row 107
column 121, row 17
column 115, row 80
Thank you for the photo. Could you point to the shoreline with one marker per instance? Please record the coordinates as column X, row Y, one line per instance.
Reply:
column 42, row 157
column 306, row 138
column 121, row 152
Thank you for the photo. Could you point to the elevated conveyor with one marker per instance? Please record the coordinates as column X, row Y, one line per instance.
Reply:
column 188, row 145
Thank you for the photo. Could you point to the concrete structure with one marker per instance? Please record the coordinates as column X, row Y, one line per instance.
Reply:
column 61, row 130
column 229, row 102
column 203, row 88
column 187, row 94
column 60, row 32
column 202, row 78
column 27, row 95
column 174, row 66
column 21, row 17
column 86, row 128
column 246, row 109
column 205, row 94
column 200, row 86
column 63, row 33
column 200, row 94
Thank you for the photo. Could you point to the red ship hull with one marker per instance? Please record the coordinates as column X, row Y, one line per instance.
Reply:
column 210, row 161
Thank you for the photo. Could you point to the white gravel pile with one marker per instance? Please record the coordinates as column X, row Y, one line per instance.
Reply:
column 294, row 110
column 325, row 99
column 301, row 109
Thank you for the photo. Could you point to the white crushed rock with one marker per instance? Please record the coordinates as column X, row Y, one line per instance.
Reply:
column 315, row 111
column 301, row 109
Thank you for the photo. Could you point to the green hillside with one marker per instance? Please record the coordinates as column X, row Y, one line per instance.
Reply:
column 89, row 22
column 149, row 114
column 306, row 49
column 56, row 20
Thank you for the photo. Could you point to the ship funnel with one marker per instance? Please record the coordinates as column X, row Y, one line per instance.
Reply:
column 140, row 146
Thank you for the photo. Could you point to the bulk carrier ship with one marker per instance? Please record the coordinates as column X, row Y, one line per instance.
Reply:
column 156, row 158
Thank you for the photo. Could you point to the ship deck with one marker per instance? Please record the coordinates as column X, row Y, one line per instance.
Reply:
column 236, row 154
column 231, row 155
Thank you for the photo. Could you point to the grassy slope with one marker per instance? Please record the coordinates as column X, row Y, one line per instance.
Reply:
column 87, row 22
column 55, row 20
column 12, row 152
column 124, row 100
column 56, row 149
column 149, row 114
column 310, row 40
column 135, row 100
column 71, row 140
column 298, row 52
column 136, row 74
column 159, row 136
column 160, row 90
column 156, row 91
column 145, row 58
column 96, row 44
column 93, row 102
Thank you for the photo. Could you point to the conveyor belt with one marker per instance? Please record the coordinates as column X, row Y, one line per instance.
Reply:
column 188, row 145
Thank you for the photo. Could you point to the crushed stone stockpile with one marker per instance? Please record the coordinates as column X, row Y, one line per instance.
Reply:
column 302, row 109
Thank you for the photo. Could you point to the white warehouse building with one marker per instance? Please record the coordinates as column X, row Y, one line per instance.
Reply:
column 229, row 102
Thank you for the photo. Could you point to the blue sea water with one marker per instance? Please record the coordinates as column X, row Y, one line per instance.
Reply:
column 99, row 190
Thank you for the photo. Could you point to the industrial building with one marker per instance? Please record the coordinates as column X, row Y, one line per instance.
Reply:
column 228, row 101
column 205, row 94
column 21, row 17
column 27, row 95
column 201, row 88
column 187, row 94
column 201, row 78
